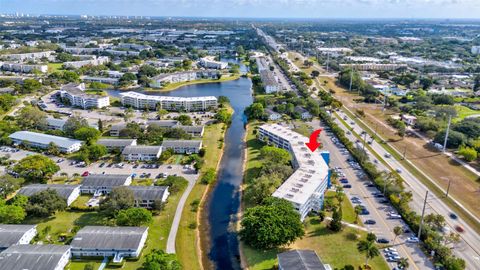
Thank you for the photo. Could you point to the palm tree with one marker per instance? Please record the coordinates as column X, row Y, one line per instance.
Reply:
column 369, row 248
column 397, row 230
column 358, row 209
column 403, row 263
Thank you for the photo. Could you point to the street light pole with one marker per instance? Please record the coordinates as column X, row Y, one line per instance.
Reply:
column 448, row 188
column 446, row 134
column 423, row 214
column 404, row 152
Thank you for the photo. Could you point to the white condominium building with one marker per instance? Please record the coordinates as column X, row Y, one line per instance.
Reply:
column 209, row 62
column 163, row 79
column 78, row 98
column 23, row 68
column 141, row 101
column 27, row 56
column 94, row 62
column 305, row 188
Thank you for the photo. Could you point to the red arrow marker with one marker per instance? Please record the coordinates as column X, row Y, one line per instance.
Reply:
column 313, row 144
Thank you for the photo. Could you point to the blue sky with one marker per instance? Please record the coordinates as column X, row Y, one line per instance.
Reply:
column 253, row 8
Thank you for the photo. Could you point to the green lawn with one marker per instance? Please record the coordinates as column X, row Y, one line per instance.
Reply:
column 348, row 214
column 253, row 163
column 52, row 67
column 336, row 249
column 303, row 128
column 463, row 112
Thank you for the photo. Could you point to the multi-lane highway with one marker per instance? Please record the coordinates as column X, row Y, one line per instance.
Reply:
column 469, row 246
column 378, row 211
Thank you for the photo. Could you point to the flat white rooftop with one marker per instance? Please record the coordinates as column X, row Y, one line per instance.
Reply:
column 311, row 172
column 137, row 95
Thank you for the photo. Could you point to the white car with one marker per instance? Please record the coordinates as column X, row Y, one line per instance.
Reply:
column 413, row 239
column 390, row 249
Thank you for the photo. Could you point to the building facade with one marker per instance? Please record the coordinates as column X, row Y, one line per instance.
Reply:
column 141, row 101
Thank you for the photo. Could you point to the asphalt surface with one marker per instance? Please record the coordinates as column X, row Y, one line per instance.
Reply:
column 378, row 211
column 469, row 246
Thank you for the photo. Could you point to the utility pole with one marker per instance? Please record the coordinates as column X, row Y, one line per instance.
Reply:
column 364, row 141
column 446, row 134
column 404, row 152
column 448, row 188
column 351, row 78
column 328, row 60
column 384, row 101
column 423, row 214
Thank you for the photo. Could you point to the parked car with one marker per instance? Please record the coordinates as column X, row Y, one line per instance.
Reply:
column 370, row 222
column 453, row 216
column 86, row 173
column 459, row 229
column 347, row 186
column 383, row 241
column 413, row 239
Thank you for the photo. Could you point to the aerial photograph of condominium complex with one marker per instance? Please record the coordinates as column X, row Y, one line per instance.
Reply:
column 240, row 134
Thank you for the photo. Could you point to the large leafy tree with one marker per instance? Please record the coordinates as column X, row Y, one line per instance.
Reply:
column 32, row 117
column 9, row 184
column 36, row 168
column 120, row 198
column 11, row 213
column 88, row 134
column 270, row 225
column 134, row 217
column 159, row 260
column 275, row 155
column 45, row 203
column 73, row 124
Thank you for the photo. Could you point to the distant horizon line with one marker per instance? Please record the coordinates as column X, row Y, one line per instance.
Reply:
column 243, row 18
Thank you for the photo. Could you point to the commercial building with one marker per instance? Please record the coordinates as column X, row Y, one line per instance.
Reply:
column 141, row 101
column 69, row 192
column 100, row 184
column 23, row 68
column 210, row 62
column 77, row 97
column 116, row 242
column 161, row 80
column 305, row 188
column 93, row 62
column 300, row 260
column 16, row 234
column 148, row 196
column 117, row 144
column 141, row 153
column 182, row 146
column 35, row 257
column 43, row 141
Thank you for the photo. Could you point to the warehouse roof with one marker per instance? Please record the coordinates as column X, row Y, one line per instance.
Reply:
column 300, row 260
column 45, row 139
column 32, row 257
column 63, row 190
column 11, row 234
column 105, row 180
column 108, row 238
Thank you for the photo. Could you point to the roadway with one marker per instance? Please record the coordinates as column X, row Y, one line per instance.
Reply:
column 378, row 211
column 469, row 246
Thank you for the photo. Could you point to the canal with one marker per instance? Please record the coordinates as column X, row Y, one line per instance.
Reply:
column 224, row 199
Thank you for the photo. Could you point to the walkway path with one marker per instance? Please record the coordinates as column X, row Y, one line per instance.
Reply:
column 103, row 264
column 178, row 215
column 350, row 225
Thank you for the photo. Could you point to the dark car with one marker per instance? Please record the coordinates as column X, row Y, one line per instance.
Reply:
column 384, row 201
column 347, row 186
column 364, row 212
column 378, row 195
column 383, row 241
column 453, row 216
column 370, row 185
column 344, row 181
column 101, row 165
column 135, row 166
column 370, row 222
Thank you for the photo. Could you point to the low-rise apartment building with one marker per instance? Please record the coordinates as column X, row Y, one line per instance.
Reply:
column 161, row 80
column 93, row 62
column 69, row 192
column 117, row 144
column 101, row 184
column 141, row 153
column 183, row 146
column 43, row 141
column 148, row 196
column 21, row 257
column 103, row 241
column 16, row 234
column 142, row 101
column 23, row 68
column 305, row 188
column 210, row 62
